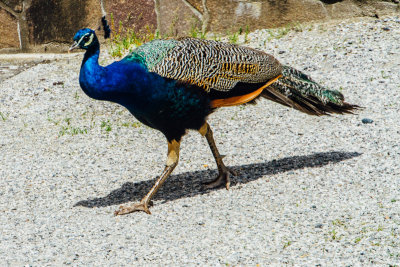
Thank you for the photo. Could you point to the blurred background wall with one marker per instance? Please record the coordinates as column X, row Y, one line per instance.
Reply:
column 49, row 25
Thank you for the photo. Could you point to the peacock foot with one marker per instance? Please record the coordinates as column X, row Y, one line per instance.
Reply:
column 222, row 179
column 125, row 209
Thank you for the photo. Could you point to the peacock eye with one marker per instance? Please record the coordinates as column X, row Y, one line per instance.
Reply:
column 86, row 38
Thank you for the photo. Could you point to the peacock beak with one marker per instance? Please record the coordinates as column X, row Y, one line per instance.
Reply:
column 73, row 46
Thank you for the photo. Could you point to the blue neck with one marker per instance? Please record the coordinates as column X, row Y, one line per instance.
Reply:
column 91, row 73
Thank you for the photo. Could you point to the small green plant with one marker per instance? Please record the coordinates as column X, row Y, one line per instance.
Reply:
column 133, row 124
column 68, row 121
column 53, row 121
column 106, row 126
column 216, row 37
column 3, row 117
column 383, row 75
column 357, row 240
column 334, row 236
column 136, row 124
column 196, row 32
column 246, row 34
column 67, row 128
column 280, row 32
column 287, row 244
column 72, row 130
column 233, row 38
column 123, row 39
column 338, row 222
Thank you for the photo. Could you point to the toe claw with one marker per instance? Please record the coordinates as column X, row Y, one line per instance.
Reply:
column 222, row 179
column 126, row 209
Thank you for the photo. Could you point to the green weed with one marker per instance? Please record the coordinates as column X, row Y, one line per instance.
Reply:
column 384, row 76
column 281, row 32
column 338, row 222
column 123, row 39
column 106, row 126
column 233, row 38
column 287, row 244
column 67, row 128
column 246, row 33
column 3, row 117
column 53, row 121
column 334, row 235
column 72, row 130
column 196, row 32
column 132, row 124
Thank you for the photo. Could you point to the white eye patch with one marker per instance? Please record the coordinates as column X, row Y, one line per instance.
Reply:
column 88, row 42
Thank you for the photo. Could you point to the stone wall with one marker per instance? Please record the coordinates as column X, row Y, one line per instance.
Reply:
column 8, row 30
column 48, row 25
column 229, row 15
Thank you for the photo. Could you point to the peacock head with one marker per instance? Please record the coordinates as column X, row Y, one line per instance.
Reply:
column 85, row 39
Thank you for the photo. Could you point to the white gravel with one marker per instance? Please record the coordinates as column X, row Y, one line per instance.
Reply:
column 311, row 190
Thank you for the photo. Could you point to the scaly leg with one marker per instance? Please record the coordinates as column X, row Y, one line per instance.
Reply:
column 172, row 161
column 223, row 176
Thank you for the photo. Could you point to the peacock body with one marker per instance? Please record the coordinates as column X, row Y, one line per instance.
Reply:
column 173, row 85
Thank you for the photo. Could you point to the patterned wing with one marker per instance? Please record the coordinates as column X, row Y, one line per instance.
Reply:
column 151, row 53
column 215, row 65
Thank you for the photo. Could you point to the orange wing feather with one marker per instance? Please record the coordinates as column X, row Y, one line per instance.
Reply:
column 238, row 100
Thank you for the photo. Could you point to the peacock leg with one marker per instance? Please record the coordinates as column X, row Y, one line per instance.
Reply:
column 224, row 173
column 172, row 161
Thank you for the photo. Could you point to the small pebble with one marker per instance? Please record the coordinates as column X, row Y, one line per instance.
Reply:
column 367, row 120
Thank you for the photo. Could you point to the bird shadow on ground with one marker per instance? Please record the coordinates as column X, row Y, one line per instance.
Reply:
column 190, row 184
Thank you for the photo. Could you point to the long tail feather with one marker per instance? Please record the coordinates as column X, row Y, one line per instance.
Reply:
column 297, row 90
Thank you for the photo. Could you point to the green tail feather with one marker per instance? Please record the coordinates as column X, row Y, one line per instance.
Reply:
column 297, row 90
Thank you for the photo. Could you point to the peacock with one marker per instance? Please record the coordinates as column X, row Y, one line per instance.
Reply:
column 172, row 85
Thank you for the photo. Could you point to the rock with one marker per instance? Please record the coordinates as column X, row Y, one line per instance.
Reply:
column 319, row 225
column 367, row 120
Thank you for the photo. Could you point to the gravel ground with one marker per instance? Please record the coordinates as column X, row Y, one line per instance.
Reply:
column 310, row 191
